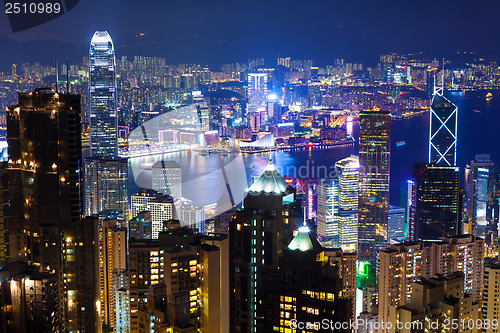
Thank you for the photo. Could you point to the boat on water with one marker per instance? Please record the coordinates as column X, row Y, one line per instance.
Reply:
column 489, row 96
column 400, row 143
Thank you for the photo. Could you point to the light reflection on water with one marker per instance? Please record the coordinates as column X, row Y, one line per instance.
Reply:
column 203, row 177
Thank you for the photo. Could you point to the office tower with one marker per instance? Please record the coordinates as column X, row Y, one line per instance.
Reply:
column 258, row 236
column 45, row 225
column 400, row 265
column 338, row 206
column 106, row 186
column 167, row 178
column 309, row 288
column 102, row 97
column 482, row 191
column 327, row 212
column 491, row 298
column 374, row 156
column 437, row 201
column 347, row 171
column 257, row 92
column 434, row 303
column 443, row 130
column 410, row 203
column 183, row 284
column 396, row 223
column 112, row 256
column 106, row 175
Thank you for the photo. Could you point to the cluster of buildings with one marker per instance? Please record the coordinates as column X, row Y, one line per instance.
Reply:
column 80, row 254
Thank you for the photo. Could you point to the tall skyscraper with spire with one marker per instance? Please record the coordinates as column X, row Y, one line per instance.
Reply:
column 102, row 97
column 374, row 162
column 106, row 175
column 257, row 237
column 277, row 265
column 438, row 202
column 443, row 130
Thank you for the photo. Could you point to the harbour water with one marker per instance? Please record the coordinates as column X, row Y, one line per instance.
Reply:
column 478, row 133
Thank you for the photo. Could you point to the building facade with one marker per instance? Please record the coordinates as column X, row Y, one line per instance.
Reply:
column 374, row 161
column 46, row 208
column 437, row 201
column 103, row 117
column 482, row 191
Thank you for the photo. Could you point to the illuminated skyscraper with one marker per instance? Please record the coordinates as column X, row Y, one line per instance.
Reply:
column 338, row 206
column 374, row 157
column 45, row 223
column 106, row 175
column 443, row 130
column 257, row 92
column 102, row 97
column 482, row 191
column 328, row 212
column 348, row 175
column 396, row 223
column 112, row 256
column 437, row 201
column 257, row 237
column 106, row 186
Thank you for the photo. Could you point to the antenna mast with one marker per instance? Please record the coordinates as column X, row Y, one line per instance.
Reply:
column 57, row 76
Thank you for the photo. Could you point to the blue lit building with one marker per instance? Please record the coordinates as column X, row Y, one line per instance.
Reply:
column 443, row 130
column 482, row 191
column 103, row 117
column 106, row 175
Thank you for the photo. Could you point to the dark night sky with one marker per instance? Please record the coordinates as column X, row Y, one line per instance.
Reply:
column 222, row 31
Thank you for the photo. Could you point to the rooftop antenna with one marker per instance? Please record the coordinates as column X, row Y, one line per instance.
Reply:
column 442, row 78
column 57, row 76
column 67, row 76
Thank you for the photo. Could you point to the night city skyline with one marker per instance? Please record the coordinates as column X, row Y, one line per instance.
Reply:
column 249, row 167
